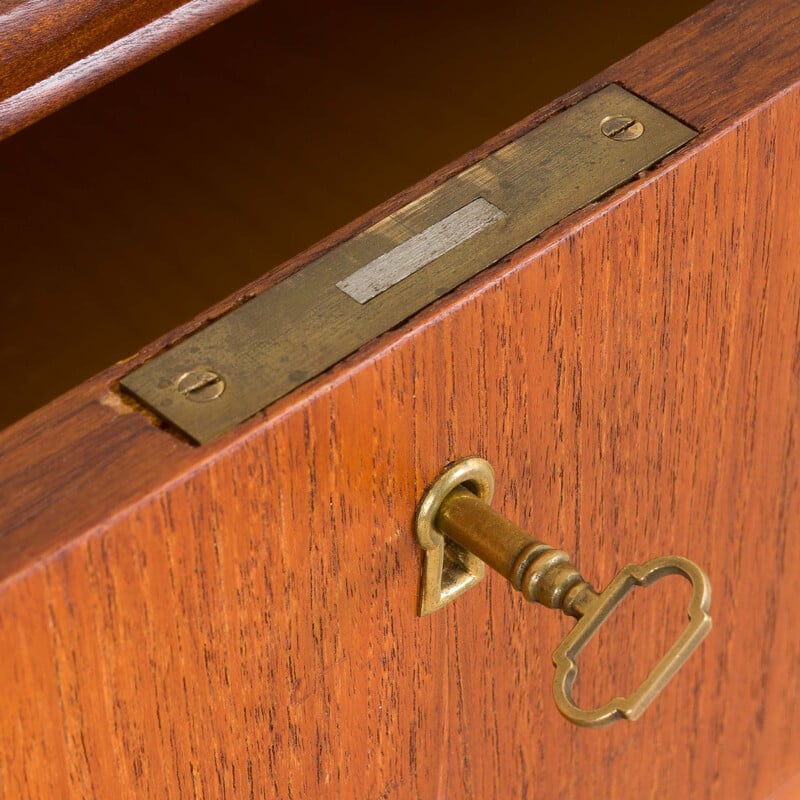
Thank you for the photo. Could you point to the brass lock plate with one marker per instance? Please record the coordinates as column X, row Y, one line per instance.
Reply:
column 261, row 351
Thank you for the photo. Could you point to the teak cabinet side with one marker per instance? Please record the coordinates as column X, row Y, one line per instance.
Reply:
column 240, row 619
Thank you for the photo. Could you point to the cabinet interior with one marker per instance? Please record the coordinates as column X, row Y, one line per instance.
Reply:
column 135, row 208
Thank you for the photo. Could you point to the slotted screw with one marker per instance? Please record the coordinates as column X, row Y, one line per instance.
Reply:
column 621, row 129
column 201, row 385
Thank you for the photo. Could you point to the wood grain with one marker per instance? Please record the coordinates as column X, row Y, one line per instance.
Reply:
column 240, row 619
column 50, row 56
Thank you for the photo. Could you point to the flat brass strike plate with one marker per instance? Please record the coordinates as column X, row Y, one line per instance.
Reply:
column 262, row 350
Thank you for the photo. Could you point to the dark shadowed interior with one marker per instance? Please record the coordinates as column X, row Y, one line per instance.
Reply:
column 134, row 209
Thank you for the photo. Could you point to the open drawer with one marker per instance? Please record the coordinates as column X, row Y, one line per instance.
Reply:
column 199, row 602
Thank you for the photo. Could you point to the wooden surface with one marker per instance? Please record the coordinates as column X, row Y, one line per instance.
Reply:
column 210, row 622
column 52, row 54
column 202, row 170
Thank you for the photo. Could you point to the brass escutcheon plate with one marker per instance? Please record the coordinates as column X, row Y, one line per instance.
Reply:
column 449, row 569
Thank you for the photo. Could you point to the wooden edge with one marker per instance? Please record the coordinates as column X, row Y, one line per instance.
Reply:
column 46, row 75
column 71, row 467
column 790, row 790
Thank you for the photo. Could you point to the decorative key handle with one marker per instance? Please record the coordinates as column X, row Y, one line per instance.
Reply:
column 461, row 532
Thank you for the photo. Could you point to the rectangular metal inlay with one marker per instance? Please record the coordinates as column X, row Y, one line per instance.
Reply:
column 418, row 251
column 264, row 349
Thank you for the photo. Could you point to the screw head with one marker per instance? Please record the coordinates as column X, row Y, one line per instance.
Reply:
column 621, row 129
column 201, row 385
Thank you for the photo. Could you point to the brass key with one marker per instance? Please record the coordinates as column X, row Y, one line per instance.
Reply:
column 461, row 532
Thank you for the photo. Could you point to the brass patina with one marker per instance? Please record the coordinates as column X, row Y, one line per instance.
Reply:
column 456, row 525
column 383, row 275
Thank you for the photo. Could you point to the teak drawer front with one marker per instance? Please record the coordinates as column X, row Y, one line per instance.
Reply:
column 240, row 619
